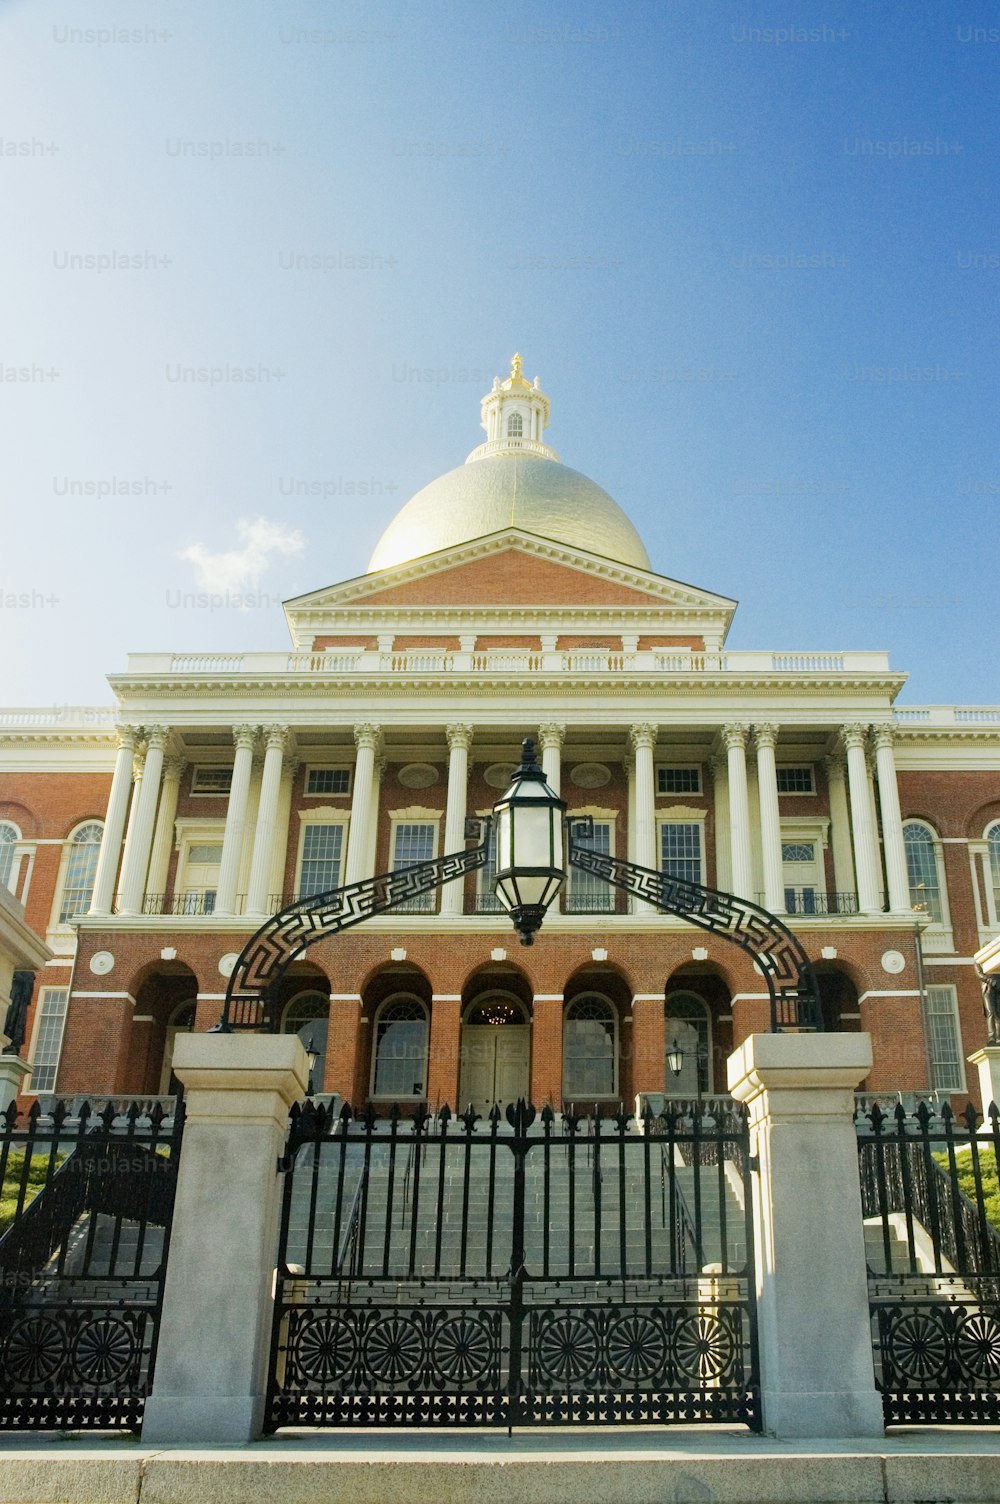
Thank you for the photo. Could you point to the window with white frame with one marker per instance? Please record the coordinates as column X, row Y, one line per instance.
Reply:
column 321, row 858
column 399, row 1053
column 795, row 780
column 590, row 1055
column 586, row 892
column 923, row 870
column 684, row 779
column 9, row 837
column 308, row 1016
column 414, row 841
column 487, row 901
column 199, row 868
column 46, row 1044
column 209, row 778
column 515, row 426
column 81, row 869
column 944, row 1039
column 993, row 847
column 330, row 780
column 688, row 1037
column 681, row 850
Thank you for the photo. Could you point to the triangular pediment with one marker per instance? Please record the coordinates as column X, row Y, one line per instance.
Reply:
column 511, row 569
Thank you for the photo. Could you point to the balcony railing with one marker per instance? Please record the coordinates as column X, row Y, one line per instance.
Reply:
column 808, row 901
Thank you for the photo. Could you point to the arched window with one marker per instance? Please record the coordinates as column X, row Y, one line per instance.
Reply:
column 78, row 883
column 9, row 836
column 515, row 426
column 308, row 1016
column 993, row 846
column 590, row 1055
column 922, row 868
column 399, row 1064
column 689, row 1035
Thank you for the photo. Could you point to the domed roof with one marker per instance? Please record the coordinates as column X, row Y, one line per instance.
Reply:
column 502, row 490
column 513, row 480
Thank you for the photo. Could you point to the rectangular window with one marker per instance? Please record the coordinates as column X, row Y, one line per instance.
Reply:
column 587, row 893
column 206, row 779
column 944, row 1041
column 328, row 780
column 413, row 843
column 680, row 850
column 683, row 780
column 49, row 1028
column 322, row 846
column 795, row 780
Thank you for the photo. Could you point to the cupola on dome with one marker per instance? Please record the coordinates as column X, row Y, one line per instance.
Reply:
column 513, row 480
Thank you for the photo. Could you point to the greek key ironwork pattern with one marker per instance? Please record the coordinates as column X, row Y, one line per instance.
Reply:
column 523, row 1270
column 927, row 1181
column 82, row 1263
column 286, row 934
column 784, row 964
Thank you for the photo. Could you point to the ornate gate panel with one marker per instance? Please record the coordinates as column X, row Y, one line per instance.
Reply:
column 933, row 1264
column 527, row 1271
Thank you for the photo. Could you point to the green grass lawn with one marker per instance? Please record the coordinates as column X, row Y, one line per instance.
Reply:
column 38, row 1174
column 967, row 1180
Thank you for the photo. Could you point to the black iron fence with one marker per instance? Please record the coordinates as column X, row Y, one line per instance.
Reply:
column 518, row 1270
column 85, row 1214
column 931, row 1200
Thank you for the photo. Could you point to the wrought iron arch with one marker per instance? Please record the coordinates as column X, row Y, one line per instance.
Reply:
column 779, row 955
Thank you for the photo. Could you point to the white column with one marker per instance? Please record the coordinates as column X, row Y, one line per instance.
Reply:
column 236, row 814
column 163, row 838
column 378, row 773
column 735, row 738
column 275, row 741
column 840, row 827
column 723, row 856
column 813, row 1323
column 770, row 821
column 551, row 737
column 136, row 862
column 114, row 824
column 366, row 739
column 459, row 742
column 643, row 739
column 218, row 1298
column 865, row 850
column 892, row 822
column 279, row 851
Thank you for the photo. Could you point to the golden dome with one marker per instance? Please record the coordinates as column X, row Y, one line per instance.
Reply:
column 498, row 491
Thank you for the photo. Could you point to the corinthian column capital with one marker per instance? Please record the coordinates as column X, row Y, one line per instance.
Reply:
column 885, row 737
column 459, row 736
column 367, row 735
column 765, row 734
column 244, row 736
column 551, row 735
column 642, row 735
column 126, row 737
column 277, row 737
column 156, row 738
column 855, row 735
column 734, row 734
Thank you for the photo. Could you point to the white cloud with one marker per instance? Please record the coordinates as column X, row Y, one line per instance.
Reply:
column 238, row 569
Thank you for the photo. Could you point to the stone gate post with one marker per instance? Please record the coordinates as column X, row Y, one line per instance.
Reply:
column 817, row 1373
column 210, row 1380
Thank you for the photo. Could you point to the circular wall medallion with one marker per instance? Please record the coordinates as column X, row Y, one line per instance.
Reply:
column 893, row 962
column 101, row 962
column 417, row 775
column 228, row 964
column 499, row 774
column 590, row 775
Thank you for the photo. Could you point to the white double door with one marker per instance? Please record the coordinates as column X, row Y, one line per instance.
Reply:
column 495, row 1065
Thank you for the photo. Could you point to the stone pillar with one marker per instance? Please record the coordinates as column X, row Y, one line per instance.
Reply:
column 813, row 1323
column 987, row 1063
column 840, row 828
column 114, row 824
column 163, row 838
column 735, row 738
column 892, row 822
column 136, row 862
column 865, row 849
column 459, row 742
column 12, row 1073
column 215, row 1332
column 770, row 821
column 643, row 739
column 551, row 737
column 236, row 814
column 366, row 739
column 258, row 888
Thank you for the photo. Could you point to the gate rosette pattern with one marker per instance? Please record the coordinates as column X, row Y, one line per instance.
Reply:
column 587, row 1349
column 372, row 1349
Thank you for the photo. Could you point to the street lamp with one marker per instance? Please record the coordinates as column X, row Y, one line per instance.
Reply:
column 675, row 1058
column 530, row 845
column 312, row 1055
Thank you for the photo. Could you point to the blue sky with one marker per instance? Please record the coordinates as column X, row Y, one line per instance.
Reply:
column 752, row 252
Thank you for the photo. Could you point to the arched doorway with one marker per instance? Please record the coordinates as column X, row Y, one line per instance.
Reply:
column 307, row 1014
column 688, row 1040
column 590, row 1049
column 399, row 1050
column 495, row 1064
